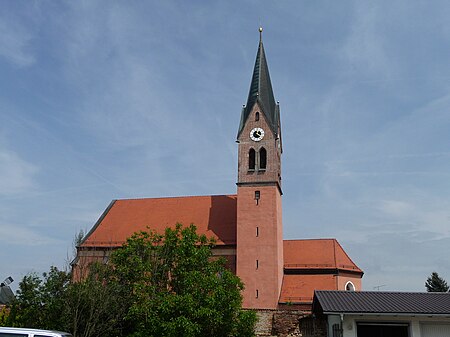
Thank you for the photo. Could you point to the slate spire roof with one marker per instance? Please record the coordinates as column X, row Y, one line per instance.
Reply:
column 261, row 92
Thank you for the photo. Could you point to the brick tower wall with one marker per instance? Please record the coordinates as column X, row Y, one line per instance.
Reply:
column 259, row 239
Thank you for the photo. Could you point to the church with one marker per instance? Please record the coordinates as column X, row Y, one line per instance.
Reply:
column 248, row 225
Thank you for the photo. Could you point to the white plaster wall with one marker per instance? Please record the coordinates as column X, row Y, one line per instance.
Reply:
column 349, row 322
column 332, row 319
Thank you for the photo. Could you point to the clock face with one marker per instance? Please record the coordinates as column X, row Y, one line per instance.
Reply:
column 257, row 134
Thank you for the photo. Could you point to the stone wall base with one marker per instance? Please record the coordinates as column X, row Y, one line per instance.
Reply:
column 289, row 323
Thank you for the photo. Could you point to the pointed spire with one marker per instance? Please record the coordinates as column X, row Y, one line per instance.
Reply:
column 261, row 91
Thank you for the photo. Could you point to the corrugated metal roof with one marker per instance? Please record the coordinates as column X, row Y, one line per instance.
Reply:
column 379, row 302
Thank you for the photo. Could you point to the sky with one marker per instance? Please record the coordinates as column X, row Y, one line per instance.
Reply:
column 103, row 100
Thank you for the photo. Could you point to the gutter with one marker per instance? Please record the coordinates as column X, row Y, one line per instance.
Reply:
column 385, row 314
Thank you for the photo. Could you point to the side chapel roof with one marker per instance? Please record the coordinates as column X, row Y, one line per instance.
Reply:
column 312, row 265
column 317, row 254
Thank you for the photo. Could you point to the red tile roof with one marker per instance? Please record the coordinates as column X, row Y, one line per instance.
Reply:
column 300, row 288
column 214, row 216
column 317, row 254
column 305, row 265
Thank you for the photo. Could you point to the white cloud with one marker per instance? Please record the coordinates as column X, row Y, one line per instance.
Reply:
column 16, row 175
column 396, row 208
column 121, row 91
column 14, row 42
column 366, row 49
column 434, row 218
column 22, row 236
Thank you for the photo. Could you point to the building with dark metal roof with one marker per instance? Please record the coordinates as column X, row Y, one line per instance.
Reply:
column 377, row 302
column 384, row 314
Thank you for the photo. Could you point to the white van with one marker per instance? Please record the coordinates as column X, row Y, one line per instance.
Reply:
column 22, row 332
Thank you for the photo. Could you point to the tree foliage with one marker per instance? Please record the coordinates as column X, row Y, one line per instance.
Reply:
column 178, row 289
column 95, row 307
column 155, row 285
column 435, row 283
column 39, row 301
column 92, row 307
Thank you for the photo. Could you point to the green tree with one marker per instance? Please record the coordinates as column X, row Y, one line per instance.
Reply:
column 4, row 313
column 95, row 306
column 176, row 288
column 91, row 307
column 39, row 301
column 435, row 283
column 155, row 285
column 53, row 293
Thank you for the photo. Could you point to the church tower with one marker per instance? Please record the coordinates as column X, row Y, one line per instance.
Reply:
column 259, row 222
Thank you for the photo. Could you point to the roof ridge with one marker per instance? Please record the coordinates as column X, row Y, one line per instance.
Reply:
column 385, row 292
column 178, row 197
column 318, row 239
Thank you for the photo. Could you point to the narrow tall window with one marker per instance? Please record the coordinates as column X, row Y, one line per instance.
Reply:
column 262, row 159
column 257, row 196
column 257, row 116
column 257, row 264
column 257, row 293
column 251, row 159
column 257, row 231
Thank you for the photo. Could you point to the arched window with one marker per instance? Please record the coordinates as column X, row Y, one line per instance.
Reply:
column 262, row 159
column 256, row 116
column 251, row 159
column 349, row 286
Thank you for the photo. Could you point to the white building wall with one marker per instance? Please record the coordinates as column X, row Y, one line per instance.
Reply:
column 333, row 319
column 349, row 322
